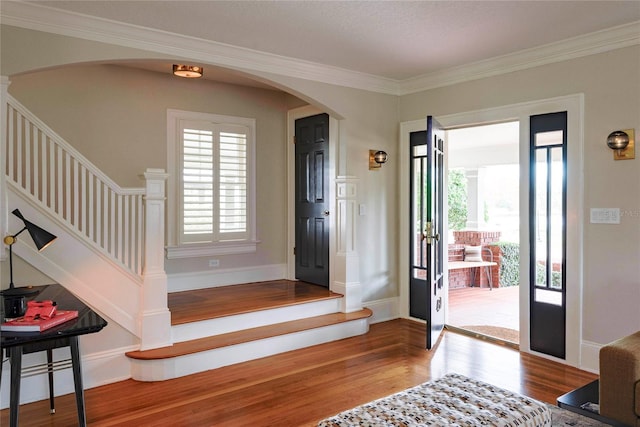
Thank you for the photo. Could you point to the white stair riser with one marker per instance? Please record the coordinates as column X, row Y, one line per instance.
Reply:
column 164, row 369
column 223, row 325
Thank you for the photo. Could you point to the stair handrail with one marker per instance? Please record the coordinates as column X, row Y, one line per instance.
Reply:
column 75, row 191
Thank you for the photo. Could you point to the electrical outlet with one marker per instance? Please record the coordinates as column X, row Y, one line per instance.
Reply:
column 214, row 263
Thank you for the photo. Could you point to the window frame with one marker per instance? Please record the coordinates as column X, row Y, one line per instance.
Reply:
column 177, row 245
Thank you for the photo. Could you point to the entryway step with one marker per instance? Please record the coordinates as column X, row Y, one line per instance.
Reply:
column 242, row 336
column 223, row 301
column 190, row 357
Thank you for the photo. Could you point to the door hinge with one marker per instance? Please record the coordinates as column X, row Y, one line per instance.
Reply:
column 294, row 250
column 294, row 139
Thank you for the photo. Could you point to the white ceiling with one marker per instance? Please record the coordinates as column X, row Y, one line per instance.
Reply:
column 391, row 39
column 392, row 46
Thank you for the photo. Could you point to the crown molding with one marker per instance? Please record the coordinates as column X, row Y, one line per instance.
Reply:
column 57, row 21
column 576, row 47
column 71, row 24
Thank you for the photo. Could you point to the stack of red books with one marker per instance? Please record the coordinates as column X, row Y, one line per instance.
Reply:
column 40, row 316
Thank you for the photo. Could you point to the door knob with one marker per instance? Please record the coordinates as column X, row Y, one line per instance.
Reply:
column 326, row 213
column 427, row 234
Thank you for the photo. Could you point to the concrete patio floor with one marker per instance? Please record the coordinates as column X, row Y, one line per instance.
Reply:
column 492, row 312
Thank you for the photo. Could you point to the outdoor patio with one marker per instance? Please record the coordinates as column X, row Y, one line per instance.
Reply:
column 489, row 312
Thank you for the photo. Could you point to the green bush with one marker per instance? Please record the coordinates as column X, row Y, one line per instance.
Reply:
column 457, row 199
column 510, row 263
column 556, row 277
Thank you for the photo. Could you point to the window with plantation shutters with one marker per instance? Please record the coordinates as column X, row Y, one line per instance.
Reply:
column 213, row 165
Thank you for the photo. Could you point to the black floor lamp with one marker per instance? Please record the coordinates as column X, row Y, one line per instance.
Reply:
column 14, row 303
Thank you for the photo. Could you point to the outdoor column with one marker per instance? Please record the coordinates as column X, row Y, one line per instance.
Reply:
column 475, row 198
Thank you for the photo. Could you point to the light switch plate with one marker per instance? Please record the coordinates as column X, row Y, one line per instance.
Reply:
column 605, row 215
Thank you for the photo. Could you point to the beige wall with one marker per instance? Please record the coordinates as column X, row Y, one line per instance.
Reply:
column 611, row 86
column 116, row 117
column 368, row 121
column 610, row 82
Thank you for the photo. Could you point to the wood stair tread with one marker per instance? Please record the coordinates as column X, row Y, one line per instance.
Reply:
column 212, row 303
column 247, row 335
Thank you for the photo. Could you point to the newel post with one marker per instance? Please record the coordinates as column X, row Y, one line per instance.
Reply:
column 155, row 318
column 4, row 100
column 347, row 261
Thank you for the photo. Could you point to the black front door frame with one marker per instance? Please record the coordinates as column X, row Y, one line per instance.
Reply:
column 579, row 353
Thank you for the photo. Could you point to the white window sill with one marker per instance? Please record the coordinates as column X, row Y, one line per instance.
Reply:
column 195, row 250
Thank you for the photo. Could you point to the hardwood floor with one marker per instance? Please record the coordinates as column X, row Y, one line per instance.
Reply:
column 210, row 303
column 299, row 388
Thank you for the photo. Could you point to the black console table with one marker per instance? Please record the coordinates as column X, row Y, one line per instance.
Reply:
column 64, row 335
column 575, row 400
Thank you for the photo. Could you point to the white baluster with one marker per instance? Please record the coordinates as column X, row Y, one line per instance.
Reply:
column 19, row 178
column 27, row 156
column 11, row 143
column 36, row 163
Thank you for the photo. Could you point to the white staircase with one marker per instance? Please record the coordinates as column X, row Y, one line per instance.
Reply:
column 213, row 343
column 110, row 253
column 107, row 252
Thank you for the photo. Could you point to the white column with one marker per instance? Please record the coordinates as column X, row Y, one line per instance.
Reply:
column 4, row 87
column 154, row 318
column 475, row 199
column 347, row 263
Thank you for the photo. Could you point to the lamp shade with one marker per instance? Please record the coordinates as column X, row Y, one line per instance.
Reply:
column 42, row 238
column 618, row 140
column 380, row 157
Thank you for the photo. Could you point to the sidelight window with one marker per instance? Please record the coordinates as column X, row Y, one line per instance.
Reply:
column 548, row 192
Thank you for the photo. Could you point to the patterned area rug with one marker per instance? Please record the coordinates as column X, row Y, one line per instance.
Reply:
column 457, row 401
column 564, row 418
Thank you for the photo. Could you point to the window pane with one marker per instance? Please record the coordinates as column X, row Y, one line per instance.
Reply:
column 197, row 178
column 549, row 297
column 544, row 139
column 556, row 226
column 418, row 212
column 419, row 150
column 541, row 217
column 233, row 182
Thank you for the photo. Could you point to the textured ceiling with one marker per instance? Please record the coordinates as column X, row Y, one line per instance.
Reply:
column 391, row 39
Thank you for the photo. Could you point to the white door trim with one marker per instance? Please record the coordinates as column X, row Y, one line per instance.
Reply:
column 574, row 105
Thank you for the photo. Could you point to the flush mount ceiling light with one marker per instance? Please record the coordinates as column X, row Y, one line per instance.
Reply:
column 188, row 71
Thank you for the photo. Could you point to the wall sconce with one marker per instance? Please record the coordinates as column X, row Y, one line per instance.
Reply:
column 188, row 71
column 377, row 159
column 622, row 143
column 14, row 305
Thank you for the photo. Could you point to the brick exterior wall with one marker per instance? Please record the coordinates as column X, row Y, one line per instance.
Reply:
column 475, row 238
column 462, row 278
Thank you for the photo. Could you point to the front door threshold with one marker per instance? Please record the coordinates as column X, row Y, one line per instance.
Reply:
column 483, row 337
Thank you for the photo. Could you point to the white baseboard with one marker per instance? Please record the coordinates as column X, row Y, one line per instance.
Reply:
column 97, row 369
column 590, row 356
column 232, row 276
column 383, row 309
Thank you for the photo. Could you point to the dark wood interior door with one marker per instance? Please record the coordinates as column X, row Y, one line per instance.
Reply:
column 427, row 288
column 312, row 204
